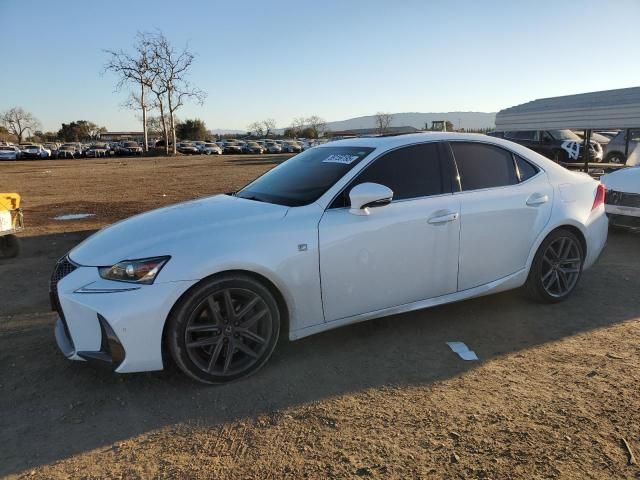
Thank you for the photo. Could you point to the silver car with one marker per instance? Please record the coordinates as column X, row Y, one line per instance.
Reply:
column 614, row 150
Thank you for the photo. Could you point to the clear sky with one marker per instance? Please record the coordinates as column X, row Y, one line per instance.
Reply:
column 333, row 58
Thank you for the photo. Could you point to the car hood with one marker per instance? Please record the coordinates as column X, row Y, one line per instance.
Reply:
column 163, row 231
column 624, row 180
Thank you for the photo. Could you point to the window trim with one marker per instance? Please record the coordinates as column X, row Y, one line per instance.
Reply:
column 443, row 170
column 513, row 159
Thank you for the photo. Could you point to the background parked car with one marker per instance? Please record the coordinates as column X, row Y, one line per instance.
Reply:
column 9, row 152
column 67, row 150
column 187, row 148
column 52, row 147
column 35, row 151
column 97, row 150
column 211, row 149
column 273, row 147
column 614, row 150
column 253, row 147
column 232, row 146
column 622, row 199
column 130, row 148
column 561, row 146
column 291, row 146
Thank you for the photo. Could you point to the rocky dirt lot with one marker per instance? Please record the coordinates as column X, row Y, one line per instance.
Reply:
column 554, row 395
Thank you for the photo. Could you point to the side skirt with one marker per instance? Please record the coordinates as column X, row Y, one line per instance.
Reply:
column 509, row 282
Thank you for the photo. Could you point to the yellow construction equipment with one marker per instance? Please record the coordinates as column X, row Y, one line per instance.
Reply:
column 11, row 222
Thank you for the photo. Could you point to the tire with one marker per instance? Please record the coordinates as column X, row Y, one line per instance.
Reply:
column 556, row 268
column 200, row 327
column 560, row 156
column 9, row 246
column 616, row 157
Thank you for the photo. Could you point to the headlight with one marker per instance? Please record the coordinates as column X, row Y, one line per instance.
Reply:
column 143, row 270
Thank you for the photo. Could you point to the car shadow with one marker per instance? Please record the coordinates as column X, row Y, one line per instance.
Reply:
column 58, row 408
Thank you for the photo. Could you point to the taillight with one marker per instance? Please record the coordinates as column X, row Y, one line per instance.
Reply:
column 599, row 200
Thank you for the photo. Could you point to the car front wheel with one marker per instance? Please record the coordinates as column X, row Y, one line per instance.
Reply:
column 556, row 268
column 224, row 329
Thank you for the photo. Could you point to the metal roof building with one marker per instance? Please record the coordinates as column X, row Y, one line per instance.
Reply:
column 609, row 109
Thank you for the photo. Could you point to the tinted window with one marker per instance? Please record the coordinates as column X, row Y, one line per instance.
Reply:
column 525, row 169
column 410, row 172
column 483, row 166
column 305, row 177
column 528, row 135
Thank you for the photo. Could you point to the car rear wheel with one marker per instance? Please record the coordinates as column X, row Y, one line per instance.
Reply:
column 556, row 268
column 224, row 329
column 616, row 158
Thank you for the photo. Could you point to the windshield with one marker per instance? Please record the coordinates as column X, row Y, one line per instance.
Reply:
column 564, row 135
column 305, row 177
column 130, row 144
column 8, row 149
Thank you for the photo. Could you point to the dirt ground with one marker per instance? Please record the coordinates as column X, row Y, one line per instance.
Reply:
column 553, row 396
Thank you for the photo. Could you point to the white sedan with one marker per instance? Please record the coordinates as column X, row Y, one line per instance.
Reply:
column 211, row 149
column 341, row 233
column 622, row 201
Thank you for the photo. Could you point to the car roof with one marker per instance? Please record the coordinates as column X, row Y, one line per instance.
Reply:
column 384, row 143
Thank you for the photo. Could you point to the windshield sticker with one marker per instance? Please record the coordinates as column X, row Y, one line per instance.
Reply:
column 340, row 158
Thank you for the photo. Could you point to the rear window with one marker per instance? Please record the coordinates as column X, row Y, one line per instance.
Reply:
column 483, row 166
column 305, row 177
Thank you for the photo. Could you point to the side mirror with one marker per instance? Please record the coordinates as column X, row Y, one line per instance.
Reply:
column 369, row 195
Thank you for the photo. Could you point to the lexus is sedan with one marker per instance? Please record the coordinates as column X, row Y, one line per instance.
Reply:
column 341, row 233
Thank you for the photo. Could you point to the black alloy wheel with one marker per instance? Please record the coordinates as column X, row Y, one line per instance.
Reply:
column 224, row 329
column 556, row 267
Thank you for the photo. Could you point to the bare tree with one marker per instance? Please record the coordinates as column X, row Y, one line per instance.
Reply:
column 170, row 69
column 256, row 129
column 317, row 124
column 134, row 69
column 268, row 125
column 157, row 128
column 297, row 125
column 383, row 120
column 17, row 122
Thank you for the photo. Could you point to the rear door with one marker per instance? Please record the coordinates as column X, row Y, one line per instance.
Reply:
column 505, row 203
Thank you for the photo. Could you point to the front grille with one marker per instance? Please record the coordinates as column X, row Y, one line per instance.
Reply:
column 622, row 199
column 63, row 268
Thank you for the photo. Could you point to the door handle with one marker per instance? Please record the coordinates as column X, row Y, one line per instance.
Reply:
column 537, row 199
column 443, row 217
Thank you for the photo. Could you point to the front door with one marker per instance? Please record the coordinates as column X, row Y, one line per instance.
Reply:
column 402, row 252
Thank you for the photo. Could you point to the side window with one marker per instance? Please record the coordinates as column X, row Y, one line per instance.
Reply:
column 411, row 172
column 483, row 166
column 525, row 135
column 525, row 169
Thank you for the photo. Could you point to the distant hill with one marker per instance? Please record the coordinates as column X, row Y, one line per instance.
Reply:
column 224, row 131
column 418, row 120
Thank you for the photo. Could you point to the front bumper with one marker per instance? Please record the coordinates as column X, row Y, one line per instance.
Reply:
column 113, row 323
column 110, row 354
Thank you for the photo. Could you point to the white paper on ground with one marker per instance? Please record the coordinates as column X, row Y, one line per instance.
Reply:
column 74, row 216
column 462, row 350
